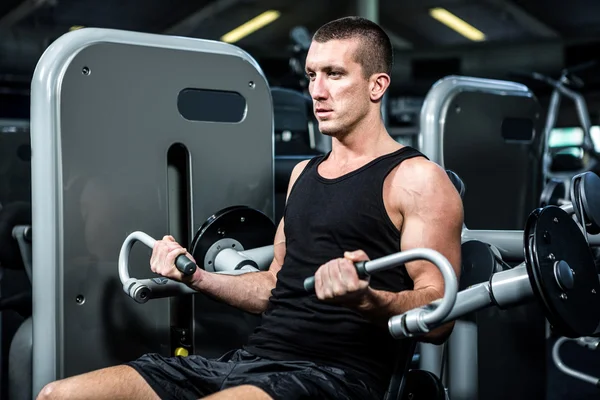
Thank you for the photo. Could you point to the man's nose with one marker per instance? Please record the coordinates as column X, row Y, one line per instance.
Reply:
column 318, row 89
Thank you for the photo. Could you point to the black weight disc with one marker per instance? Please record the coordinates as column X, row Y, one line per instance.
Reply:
column 250, row 227
column 423, row 385
column 569, row 293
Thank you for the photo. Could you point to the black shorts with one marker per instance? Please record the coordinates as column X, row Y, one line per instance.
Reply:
column 194, row 376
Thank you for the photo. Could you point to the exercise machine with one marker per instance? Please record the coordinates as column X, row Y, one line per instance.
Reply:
column 559, row 272
column 561, row 163
column 501, row 121
column 136, row 131
column 590, row 343
column 566, row 86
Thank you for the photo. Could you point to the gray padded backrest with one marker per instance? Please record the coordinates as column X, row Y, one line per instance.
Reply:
column 470, row 126
column 106, row 108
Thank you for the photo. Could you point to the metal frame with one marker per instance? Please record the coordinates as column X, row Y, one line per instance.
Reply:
column 435, row 107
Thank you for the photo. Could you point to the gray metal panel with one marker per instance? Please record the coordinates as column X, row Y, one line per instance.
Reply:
column 503, row 178
column 461, row 124
column 435, row 107
column 100, row 145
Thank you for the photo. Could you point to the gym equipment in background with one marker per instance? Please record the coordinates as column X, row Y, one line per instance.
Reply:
column 591, row 343
column 501, row 169
column 563, row 162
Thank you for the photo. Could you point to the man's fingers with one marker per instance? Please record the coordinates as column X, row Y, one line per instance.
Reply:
column 319, row 284
column 191, row 257
column 339, row 278
column 349, row 275
column 173, row 254
column 172, row 246
column 357, row 255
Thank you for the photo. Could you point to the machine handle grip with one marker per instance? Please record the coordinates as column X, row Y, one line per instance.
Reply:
column 185, row 265
column 424, row 318
column 142, row 290
column 309, row 283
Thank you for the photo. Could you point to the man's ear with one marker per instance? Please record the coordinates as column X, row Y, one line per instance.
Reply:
column 379, row 83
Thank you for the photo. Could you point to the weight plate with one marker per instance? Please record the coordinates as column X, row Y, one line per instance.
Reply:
column 245, row 225
column 569, row 293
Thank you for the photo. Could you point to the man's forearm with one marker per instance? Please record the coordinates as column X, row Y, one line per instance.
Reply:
column 379, row 306
column 249, row 292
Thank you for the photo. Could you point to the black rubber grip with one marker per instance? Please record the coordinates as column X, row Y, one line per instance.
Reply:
column 309, row 283
column 185, row 265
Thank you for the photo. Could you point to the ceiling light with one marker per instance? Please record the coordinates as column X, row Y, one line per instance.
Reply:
column 460, row 26
column 251, row 26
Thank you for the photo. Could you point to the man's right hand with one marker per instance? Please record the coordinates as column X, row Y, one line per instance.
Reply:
column 162, row 261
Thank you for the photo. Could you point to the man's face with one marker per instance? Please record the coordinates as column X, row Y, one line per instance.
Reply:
column 339, row 90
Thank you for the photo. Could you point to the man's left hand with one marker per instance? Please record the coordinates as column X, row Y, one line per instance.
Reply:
column 337, row 281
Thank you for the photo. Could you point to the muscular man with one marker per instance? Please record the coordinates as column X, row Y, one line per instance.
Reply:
column 368, row 197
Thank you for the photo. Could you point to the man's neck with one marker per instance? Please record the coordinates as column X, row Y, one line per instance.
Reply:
column 367, row 140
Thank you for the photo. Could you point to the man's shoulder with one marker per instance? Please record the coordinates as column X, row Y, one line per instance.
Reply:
column 418, row 172
column 421, row 184
column 299, row 168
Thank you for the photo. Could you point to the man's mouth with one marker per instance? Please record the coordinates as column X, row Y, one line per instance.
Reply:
column 322, row 112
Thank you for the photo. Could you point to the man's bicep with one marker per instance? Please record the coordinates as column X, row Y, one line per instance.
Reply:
column 434, row 220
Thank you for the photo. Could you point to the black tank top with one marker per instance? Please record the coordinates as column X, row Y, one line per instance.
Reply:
column 323, row 218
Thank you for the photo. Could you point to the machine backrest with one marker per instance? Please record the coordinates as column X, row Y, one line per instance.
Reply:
column 134, row 131
column 489, row 133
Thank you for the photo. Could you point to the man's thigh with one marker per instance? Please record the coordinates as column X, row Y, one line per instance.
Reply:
column 246, row 392
column 182, row 378
column 296, row 380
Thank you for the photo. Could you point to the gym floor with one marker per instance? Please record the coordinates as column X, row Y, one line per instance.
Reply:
column 564, row 387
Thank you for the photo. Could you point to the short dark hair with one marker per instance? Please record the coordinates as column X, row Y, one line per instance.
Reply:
column 375, row 53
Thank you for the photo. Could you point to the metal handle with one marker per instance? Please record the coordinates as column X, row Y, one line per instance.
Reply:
column 567, row 370
column 425, row 317
column 143, row 290
column 183, row 263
